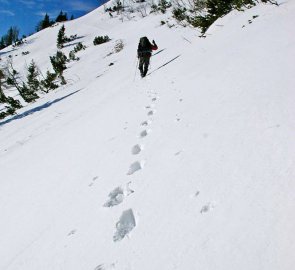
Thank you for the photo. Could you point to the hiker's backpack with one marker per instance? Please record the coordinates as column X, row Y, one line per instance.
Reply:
column 144, row 47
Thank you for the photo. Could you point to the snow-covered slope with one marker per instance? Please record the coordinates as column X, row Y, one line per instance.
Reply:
column 191, row 167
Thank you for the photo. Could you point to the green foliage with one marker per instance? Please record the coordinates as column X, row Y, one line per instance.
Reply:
column 27, row 94
column 72, row 56
column 163, row 6
column 203, row 13
column 62, row 17
column 61, row 37
column 32, row 77
column 12, row 104
column 18, row 43
column 76, row 49
column 179, row 13
column 45, row 23
column 10, row 38
column 49, row 82
column 100, row 39
column 79, row 47
column 2, row 43
column 58, row 63
column 154, row 8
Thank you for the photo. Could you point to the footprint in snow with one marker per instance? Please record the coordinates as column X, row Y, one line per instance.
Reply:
column 125, row 225
column 105, row 266
column 117, row 195
column 143, row 134
column 145, row 123
column 136, row 149
column 197, row 193
column 178, row 153
column 207, row 207
column 150, row 113
column 72, row 232
column 134, row 167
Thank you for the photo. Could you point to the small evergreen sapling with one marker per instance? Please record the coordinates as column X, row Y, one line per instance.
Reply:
column 27, row 94
column 79, row 47
column 13, row 79
column 32, row 77
column 58, row 63
column 49, row 82
column 72, row 56
column 163, row 5
column 12, row 104
column 61, row 37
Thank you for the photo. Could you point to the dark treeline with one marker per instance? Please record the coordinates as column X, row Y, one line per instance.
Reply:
column 12, row 35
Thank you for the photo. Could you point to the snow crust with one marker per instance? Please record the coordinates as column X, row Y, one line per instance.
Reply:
column 198, row 158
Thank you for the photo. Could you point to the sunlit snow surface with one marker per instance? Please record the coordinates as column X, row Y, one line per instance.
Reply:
column 192, row 167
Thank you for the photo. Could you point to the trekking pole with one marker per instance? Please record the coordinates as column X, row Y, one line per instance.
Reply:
column 150, row 65
column 135, row 69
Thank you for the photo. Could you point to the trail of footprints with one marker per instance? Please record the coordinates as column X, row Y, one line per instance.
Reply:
column 127, row 220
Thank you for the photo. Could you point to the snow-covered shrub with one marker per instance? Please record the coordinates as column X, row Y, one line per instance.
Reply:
column 72, row 56
column 100, row 39
column 202, row 13
column 79, row 47
column 142, row 9
column 71, row 38
column 179, row 13
column 163, row 5
column 119, row 46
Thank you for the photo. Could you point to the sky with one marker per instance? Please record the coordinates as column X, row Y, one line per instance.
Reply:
column 25, row 14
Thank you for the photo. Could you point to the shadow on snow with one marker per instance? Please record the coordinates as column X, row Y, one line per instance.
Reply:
column 37, row 109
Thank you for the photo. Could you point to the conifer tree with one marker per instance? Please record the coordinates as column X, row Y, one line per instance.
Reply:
column 32, row 77
column 11, row 103
column 2, row 95
column 61, row 17
column 48, row 83
column 13, row 79
column 45, row 22
column 61, row 37
column 2, row 43
column 27, row 94
column 58, row 62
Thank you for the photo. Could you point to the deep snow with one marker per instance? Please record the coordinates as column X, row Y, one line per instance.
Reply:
column 191, row 167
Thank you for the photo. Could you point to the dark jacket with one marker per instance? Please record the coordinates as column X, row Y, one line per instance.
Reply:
column 147, row 50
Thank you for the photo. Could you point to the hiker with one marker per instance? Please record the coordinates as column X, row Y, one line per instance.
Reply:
column 144, row 53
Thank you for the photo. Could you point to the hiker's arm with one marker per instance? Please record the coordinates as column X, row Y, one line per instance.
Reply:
column 154, row 46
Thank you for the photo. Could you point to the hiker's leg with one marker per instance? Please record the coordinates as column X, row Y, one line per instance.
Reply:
column 146, row 65
column 140, row 66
